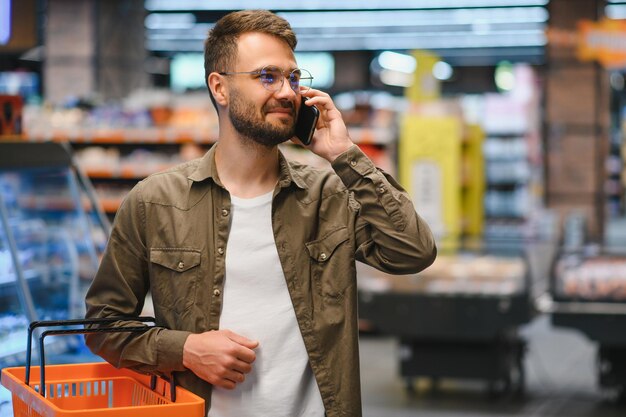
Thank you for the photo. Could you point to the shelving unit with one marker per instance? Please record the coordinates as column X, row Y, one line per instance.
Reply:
column 49, row 243
column 590, row 296
column 513, row 163
column 615, row 181
column 117, row 147
column 458, row 319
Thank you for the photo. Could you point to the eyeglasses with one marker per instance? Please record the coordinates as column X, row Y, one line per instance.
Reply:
column 273, row 78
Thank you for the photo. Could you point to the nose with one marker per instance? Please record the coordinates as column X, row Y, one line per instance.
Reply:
column 285, row 91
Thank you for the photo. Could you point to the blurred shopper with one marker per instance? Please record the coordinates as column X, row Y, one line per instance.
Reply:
column 250, row 258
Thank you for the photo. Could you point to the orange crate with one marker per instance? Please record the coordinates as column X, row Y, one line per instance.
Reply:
column 96, row 389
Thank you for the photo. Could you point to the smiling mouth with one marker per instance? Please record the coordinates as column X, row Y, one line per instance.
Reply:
column 282, row 108
column 282, row 113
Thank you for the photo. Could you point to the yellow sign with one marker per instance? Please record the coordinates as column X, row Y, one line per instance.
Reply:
column 429, row 161
column 425, row 86
column 603, row 41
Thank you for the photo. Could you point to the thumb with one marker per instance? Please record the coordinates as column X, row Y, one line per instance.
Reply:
column 244, row 341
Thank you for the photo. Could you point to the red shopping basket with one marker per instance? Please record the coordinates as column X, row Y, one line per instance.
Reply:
column 93, row 389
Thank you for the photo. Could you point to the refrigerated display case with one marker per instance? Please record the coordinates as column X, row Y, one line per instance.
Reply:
column 51, row 238
column 457, row 319
column 589, row 294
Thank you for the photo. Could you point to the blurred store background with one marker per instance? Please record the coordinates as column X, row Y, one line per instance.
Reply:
column 504, row 119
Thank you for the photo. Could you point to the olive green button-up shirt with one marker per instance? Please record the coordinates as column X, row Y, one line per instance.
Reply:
column 170, row 237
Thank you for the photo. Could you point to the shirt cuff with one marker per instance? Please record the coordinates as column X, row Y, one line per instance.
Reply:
column 170, row 349
column 353, row 165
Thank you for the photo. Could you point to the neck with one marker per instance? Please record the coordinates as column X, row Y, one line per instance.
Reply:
column 246, row 168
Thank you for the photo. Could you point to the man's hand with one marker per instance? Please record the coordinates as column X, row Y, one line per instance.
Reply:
column 220, row 357
column 331, row 138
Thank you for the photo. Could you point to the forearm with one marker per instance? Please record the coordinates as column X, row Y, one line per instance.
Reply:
column 118, row 291
column 390, row 234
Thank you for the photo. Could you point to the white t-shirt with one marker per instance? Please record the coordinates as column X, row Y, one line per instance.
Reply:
column 257, row 305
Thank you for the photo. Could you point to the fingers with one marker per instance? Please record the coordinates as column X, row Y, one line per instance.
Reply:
column 228, row 379
column 220, row 357
column 244, row 346
column 319, row 99
column 232, row 374
column 250, row 344
column 228, row 375
column 242, row 367
column 324, row 103
column 245, row 354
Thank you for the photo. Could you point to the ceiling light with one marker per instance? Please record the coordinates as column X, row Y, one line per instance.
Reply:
column 412, row 18
column 342, row 5
column 442, row 71
column 170, row 21
column 504, row 76
column 397, row 62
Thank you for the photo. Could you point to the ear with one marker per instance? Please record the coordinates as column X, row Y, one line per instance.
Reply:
column 218, row 88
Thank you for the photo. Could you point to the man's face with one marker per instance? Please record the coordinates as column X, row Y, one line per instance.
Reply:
column 254, row 123
column 266, row 117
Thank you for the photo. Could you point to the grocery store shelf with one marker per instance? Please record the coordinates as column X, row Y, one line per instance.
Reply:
column 124, row 136
column 11, row 138
column 361, row 135
column 7, row 281
column 110, row 204
column 50, row 203
column 126, row 173
column 546, row 304
column 589, row 307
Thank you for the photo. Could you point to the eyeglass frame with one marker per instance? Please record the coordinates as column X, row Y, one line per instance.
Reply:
column 259, row 72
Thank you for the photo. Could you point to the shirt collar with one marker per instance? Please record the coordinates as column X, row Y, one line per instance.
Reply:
column 288, row 174
column 206, row 169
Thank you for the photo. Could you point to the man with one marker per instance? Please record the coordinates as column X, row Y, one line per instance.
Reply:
column 250, row 259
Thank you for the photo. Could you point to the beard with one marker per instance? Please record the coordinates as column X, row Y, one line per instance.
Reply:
column 243, row 116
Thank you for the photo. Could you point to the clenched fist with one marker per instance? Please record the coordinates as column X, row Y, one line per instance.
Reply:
column 220, row 357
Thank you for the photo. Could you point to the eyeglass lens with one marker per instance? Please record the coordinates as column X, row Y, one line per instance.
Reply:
column 272, row 79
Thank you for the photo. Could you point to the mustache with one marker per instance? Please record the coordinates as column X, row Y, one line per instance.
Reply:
column 280, row 105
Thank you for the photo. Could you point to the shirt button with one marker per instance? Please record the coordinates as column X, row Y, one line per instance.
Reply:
column 381, row 190
column 224, row 212
column 216, row 292
column 181, row 265
column 353, row 163
column 323, row 256
column 220, row 251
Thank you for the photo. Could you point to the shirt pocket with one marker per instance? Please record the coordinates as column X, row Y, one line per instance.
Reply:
column 330, row 263
column 174, row 277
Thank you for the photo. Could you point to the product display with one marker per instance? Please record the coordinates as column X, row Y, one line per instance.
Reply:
column 50, row 243
column 601, row 278
column 460, row 275
column 590, row 297
column 456, row 319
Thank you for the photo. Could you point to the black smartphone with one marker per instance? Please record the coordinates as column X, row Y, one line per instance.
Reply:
column 307, row 120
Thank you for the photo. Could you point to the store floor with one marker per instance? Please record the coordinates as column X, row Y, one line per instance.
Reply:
column 560, row 374
column 560, row 381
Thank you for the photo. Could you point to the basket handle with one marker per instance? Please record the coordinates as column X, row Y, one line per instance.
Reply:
column 57, row 332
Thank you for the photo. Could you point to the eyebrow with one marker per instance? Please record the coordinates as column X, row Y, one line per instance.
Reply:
column 276, row 66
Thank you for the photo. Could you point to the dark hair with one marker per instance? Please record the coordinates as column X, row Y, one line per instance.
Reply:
column 220, row 46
